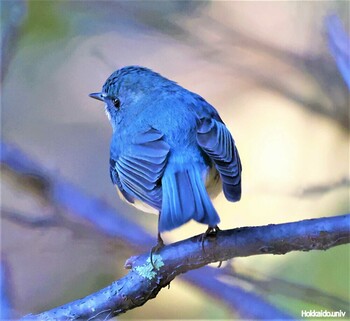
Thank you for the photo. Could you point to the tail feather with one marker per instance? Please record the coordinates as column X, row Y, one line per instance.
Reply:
column 185, row 198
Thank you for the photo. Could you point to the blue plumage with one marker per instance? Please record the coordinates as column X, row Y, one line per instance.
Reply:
column 168, row 146
column 217, row 142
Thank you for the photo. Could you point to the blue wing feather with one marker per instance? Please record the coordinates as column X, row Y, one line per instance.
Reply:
column 216, row 141
column 150, row 135
column 141, row 166
column 116, row 181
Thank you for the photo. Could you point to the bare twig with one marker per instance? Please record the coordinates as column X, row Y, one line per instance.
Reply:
column 144, row 281
column 28, row 221
column 320, row 189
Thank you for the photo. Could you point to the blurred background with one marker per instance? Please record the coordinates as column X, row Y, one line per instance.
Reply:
column 266, row 67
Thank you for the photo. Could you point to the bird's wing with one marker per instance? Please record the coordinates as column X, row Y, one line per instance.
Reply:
column 137, row 171
column 216, row 141
column 116, row 180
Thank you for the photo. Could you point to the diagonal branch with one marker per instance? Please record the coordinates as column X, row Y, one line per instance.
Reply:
column 144, row 281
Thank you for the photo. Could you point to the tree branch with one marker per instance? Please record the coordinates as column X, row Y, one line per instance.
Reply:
column 144, row 281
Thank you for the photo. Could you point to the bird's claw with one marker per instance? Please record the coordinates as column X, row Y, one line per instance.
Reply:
column 210, row 232
column 156, row 248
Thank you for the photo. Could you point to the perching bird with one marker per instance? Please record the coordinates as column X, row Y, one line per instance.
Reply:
column 169, row 148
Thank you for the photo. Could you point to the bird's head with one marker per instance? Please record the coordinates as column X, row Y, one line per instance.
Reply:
column 125, row 87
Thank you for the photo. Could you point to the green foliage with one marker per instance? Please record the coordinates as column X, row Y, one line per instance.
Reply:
column 45, row 21
column 324, row 271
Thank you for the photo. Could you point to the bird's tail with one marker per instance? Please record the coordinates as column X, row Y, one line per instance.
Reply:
column 185, row 198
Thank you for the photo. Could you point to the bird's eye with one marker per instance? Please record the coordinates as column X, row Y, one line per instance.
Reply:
column 116, row 102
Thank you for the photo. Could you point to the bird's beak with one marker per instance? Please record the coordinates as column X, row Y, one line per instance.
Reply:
column 97, row 96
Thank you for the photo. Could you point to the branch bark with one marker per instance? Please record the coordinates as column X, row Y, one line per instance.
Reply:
column 144, row 281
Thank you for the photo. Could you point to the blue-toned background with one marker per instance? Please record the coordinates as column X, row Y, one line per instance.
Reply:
column 270, row 69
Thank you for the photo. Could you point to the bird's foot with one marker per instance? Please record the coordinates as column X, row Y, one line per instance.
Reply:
column 156, row 248
column 211, row 232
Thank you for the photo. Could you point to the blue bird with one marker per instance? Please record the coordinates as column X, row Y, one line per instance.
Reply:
column 169, row 148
